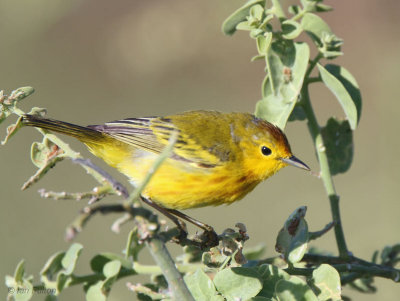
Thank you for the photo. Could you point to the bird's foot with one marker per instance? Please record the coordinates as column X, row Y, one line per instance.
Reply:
column 208, row 239
column 181, row 238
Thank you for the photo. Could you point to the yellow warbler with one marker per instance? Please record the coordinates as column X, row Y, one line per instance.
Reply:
column 217, row 159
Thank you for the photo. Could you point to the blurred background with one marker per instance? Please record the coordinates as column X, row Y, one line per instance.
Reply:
column 92, row 61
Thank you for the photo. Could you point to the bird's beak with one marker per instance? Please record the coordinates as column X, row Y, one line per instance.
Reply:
column 295, row 162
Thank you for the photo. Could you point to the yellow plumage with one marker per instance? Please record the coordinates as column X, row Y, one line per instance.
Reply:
column 218, row 157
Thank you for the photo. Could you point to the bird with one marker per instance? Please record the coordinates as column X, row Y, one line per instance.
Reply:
column 217, row 158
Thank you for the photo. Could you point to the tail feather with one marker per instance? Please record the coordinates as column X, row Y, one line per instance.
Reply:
column 82, row 133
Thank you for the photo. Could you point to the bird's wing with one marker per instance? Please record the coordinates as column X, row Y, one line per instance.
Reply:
column 132, row 131
column 152, row 134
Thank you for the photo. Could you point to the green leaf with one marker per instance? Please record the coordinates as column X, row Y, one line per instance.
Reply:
column 133, row 247
column 270, row 275
column 229, row 25
column 97, row 263
column 57, row 271
column 99, row 291
column 390, row 255
column 190, row 254
column 286, row 66
column 4, row 113
column 62, row 282
column 294, row 9
column 22, row 292
column 349, row 83
column 111, row 268
column 38, row 111
column 342, row 95
column 71, row 257
column 41, row 152
column 256, row 12
column 12, row 130
column 315, row 27
column 18, row 95
column 256, row 32
column 264, row 43
column 297, row 114
column 257, row 57
column 200, row 285
column 23, row 92
column 327, row 281
column 19, row 286
column 245, row 26
column 292, row 240
column 294, row 289
column 20, row 272
column 323, row 7
column 338, row 140
column 291, row 29
column 214, row 258
column 364, row 285
column 95, row 292
column 50, row 270
column 238, row 283
column 332, row 54
column 51, row 297
column 111, row 271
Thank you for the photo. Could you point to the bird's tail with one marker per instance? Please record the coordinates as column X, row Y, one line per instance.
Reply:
column 84, row 134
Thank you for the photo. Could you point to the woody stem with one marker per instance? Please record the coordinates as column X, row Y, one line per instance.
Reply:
column 326, row 175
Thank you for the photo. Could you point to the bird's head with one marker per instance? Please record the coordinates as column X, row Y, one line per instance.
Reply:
column 266, row 150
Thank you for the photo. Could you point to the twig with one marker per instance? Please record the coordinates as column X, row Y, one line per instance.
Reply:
column 326, row 175
column 318, row 234
column 118, row 187
column 51, row 162
column 79, row 222
column 361, row 270
column 138, row 288
column 163, row 259
column 97, row 193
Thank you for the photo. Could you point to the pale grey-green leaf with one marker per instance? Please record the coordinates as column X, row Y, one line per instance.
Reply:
column 20, row 271
column 338, row 140
column 291, row 29
column 349, row 83
column 111, row 268
column 200, row 285
column 327, row 279
column 238, row 283
column 283, row 83
column 95, row 292
column 70, row 258
column 229, row 25
column 270, row 275
column 292, row 240
column 342, row 95
column 294, row 289
column 315, row 27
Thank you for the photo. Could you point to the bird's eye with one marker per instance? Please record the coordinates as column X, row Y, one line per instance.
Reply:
column 266, row 151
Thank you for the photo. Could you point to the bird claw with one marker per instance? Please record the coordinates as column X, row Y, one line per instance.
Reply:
column 181, row 237
column 206, row 240
column 209, row 239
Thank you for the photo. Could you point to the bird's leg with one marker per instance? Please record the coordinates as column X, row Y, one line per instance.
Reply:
column 191, row 220
column 180, row 224
column 211, row 236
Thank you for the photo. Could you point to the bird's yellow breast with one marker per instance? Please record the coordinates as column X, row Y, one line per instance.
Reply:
column 179, row 185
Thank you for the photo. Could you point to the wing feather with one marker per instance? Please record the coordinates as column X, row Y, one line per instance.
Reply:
column 152, row 134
